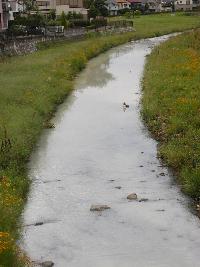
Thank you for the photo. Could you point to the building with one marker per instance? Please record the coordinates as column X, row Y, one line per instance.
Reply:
column 136, row 4
column 183, row 5
column 196, row 4
column 45, row 6
column 155, row 6
column 123, row 4
column 4, row 15
column 7, row 10
column 112, row 7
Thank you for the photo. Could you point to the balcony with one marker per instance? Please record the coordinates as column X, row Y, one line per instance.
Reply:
column 5, row 6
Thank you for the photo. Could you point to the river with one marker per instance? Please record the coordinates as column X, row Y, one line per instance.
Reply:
column 98, row 153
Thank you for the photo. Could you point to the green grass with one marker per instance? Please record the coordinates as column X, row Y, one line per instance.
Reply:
column 171, row 106
column 31, row 87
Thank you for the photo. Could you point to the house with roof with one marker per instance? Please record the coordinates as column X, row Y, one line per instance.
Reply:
column 66, row 6
column 183, row 5
column 153, row 5
column 4, row 15
column 123, row 4
column 196, row 4
column 136, row 4
column 112, row 7
column 7, row 10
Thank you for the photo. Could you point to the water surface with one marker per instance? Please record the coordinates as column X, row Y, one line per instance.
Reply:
column 95, row 147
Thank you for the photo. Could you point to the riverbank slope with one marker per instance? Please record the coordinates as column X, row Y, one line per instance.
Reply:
column 171, row 105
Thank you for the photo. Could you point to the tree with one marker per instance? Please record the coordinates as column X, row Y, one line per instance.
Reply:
column 63, row 20
column 101, row 7
column 93, row 11
column 52, row 14
column 96, row 8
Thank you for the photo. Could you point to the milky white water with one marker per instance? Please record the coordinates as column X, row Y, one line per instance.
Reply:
column 95, row 142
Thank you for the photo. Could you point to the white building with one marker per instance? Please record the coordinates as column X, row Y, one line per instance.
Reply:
column 62, row 6
column 112, row 7
column 183, row 5
column 123, row 4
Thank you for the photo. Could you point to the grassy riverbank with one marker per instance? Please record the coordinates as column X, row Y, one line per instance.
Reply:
column 171, row 106
column 30, row 89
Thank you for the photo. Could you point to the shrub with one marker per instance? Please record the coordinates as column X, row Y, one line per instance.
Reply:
column 137, row 13
column 80, row 22
column 99, row 22
column 128, row 14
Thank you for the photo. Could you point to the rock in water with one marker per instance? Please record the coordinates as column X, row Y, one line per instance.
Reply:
column 143, row 199
column 99, row 207
column 162, row 174
column 118, row 187
column 132, row 196
column 38, row 223
column 47, row 264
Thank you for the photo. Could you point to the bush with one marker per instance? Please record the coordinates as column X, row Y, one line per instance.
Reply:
column 128, row 14
column 137, row 13
column 26, row 25
column 99, row 22
column 53, row 23
column 17, row 30
column 74, row 15
column 123, row 11
column 79, row 22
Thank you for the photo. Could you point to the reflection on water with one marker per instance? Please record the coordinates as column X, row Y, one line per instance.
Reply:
column 100, row 75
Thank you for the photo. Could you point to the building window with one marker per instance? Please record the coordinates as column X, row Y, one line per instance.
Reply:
column 73, row 3
column 188, row 2
column 43, row 3
column 62, row 2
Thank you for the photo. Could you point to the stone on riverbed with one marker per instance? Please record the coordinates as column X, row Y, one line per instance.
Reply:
column 143, row 199
column 47, row 264
column 118, row 187
column 132, row 196
column 99, row 207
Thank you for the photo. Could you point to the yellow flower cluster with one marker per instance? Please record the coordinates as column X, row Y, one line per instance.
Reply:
column 5, row 241
column 8, row 196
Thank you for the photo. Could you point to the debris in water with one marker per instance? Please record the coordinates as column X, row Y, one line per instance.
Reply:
column 99, row 207
column 47, row 264
column 118, row 187
column 38, row 223
column 143, row 199
column 162, row 174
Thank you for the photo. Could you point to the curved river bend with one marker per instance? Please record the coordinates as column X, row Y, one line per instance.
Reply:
column 94, row 148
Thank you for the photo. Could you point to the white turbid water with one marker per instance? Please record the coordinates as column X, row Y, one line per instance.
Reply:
column 96, row 146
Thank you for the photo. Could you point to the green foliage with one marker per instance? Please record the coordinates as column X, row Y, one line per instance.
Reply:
column 54, row 23
column 63, row 20
column 73, row 15
column 80, row 22
column 123, row 11
column 93, row 12
column 128, row 15
column 30, row 24
column 33, row 20
column 96, row 8
column 99, row 23
column 52, row 14
column 137, row 13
